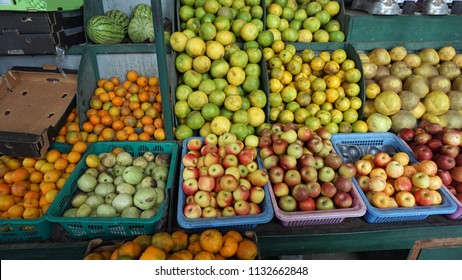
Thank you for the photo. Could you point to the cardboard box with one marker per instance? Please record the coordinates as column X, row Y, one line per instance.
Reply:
column 40, row 33
column 40, row 5
column 34, row 104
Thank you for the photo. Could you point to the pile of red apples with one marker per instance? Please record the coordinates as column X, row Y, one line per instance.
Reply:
column 431, row 141
column 221, row 177
column 305, row 173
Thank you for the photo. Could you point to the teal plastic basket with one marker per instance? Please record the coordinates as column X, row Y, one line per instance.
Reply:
column 34, row 230
column 115, row 227
column 389, row 142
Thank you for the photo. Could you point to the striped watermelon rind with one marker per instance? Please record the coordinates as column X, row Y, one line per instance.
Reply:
column 140, row 29
column 142, row 10
column 119, row 17
column 104, row 30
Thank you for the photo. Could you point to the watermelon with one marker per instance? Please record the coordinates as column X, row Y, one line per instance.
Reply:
column 140, row 29
column 103, row 30
column 119, row 17
column 142, row 10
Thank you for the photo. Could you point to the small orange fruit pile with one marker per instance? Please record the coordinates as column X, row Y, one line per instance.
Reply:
column 208, row 245
column 128, row 110
column 29, row 185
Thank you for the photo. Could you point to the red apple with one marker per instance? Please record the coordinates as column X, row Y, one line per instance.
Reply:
column 224, row 198
column 307, row 205
column 445, row 162
column 420, row 180
column 242, row 207
column 342, row 200
column 208, row 148
column 300, row 192
column 306, row 160
column 324, row 203
column 314, row 189
column 280, row 146
column 405, row 199
column 450, row 150
column 292, row 177
column 189, row 159
column 203, row 198
column 328, row 189
column 333, row 160
column 377, row 184
column 423, row 152
column 229, row 160
column 423, row 197
column 254, row 208
column 189, row 186
column 228, row 183
column 211, row 139
column 228, row 211
column 287, row 203
column 435, row 145
column 326, row 174
column 194, row 144
column 206, row 183
column 451, row 137
column 304, row 133
column 380, row 200
column 271, row 162
column 343, row 183
column 363, row 166
column 190, row 172
column 257, row 194
column 216, row 170
column 245, row 156
column 280, row 189
column 308, row 174
column 347, row 169
column 266, row 152
column 315, row 145
column 258, row 178
column 192, row 211
column 433, row 128
column 407, row 134
column 288, row 162
column 459, row 160
column 209, row 212
column 428, row 167
column 445, row 176
column 402, row 184
column 324, row 133
column 363, row 182
column 422, row 138
column 394, row 169
column 381, row 159
column 456, row 174
column 232, row 148
column 276, row 174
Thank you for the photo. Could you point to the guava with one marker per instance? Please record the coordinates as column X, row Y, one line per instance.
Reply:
column 378, row 123
column 145, row 198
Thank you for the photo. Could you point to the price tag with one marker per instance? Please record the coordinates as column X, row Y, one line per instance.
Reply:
column 5, row 2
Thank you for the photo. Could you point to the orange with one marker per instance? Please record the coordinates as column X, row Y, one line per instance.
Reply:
column 73, row 136
column 51, row 176
column 211, row 240
column 100, row 82
column 32, row 195
column 44, row 208
column 95, row 119
column 118, row 150
column 13, row 163
column 92, row 138
column 108, row 85
column 47, row 166
column 42, row 201
column 20, row 174
column 121, row 135
column 130, row 249
column 133, row 88
column 142, row 81
column 46, row 187
column 143, row 96
column 20, row 188
column 106, row 255
column 130, row 121
column 247, row 250
column 94, row 256
column 149, row 129
column 182, row 255
column 129, row 129
column 151, row 112
column 73, row 127
column 4, row 169
column 180, row 240
column 6, row 201
column 38, row 164
column 15, row 211
column 194, row 247
column 153, row 253
column 107, row 120
column 61, row 181
column 34, row 187
column 204, row 255
column 70, row 167
column 143, row 240
column 117, row 101
column 31, row 203
column 159, row 98
column 7, row 177
column 159, row 134
column 114, row 254
column 159, row 123
column 143, row 136
column 104, row 97
column 31, row 213
column 98, row 91
column 229, row 247
column 98, row 129
column 114, row 112
column 61, row 164
column 108, row 134
column 133, row 137
column 120, row 91
column 133, row 105
column 87, row 127
column 163, row 240
column 51, row 195
column 80, row 147
column 132, row 75
column 218, row 257
column 92, row 160
column 157, row 106
column 118, row 125
column 29, row 162
column 90, row 112
column 153, row 81
column 74, row 157
column 4, row 189
column 138, row 113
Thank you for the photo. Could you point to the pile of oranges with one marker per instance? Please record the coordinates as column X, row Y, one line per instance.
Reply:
column 29, row 185
column 129, row 110
column 211, row 244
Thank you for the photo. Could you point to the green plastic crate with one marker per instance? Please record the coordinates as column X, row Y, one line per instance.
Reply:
column 20, row 230
column 363, row 27
column 115, row 227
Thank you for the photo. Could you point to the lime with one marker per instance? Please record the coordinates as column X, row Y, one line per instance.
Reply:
column 256, row 116
column 345, row 127
column 300, row 115
column 273, row 21
column 237, row 25
column 313, row 122
column 257, row 98
column 265, row 38
column 183, row 62
column 336, row 36
column 244, row 15
column 253, row 69
column 182, row 109
column 183, row 131
column 222, row 23
column 225, row 37
column 239, row 59
column 205, row 129
column 231, row 90
column 283, row 25
column 286, row 116
column 182, row 92
column 186, row 13
column 226, row 113
column 321, row 36
column 360, row 126
column 219, row 68
column 212, row 6
column 195, row 120
column 339, row 56
column 214, row 50
column 290, row 35
column 195, row 47
column 307, row 55
column 256, row 11
column 332, row 7
column 235, row 76
column 233, row 102
column 240, row 116
column 217, row 97
column 312, row 8
column 201, row 64
column 178, row 41
column 274, row 9
column 351, row 89
column 275, row 99
column 350, row 115
column 288, row 13
column 332, row 127
column 324, row 116
column 342, row 103
column 220, row 83
column 192, row 78
column 274, row 114
column 288, row 94
column 197, row 99
column 209, row 111
column 207, row 18
column 313, row 109
column 305, row 36
column 292, row 106
column 245, row 103
column 352, row 75
column 240, row 130
column 251, row 83
column 249, row 32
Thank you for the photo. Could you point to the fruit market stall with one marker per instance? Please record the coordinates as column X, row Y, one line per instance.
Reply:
column 243, row 129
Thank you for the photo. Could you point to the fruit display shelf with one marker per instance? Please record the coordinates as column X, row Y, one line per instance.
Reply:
column 390, row 141
column 115, row 227
column 34, row 230
column 221, row 223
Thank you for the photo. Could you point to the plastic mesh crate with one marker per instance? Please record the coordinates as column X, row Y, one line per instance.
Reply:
column 20, row 230
column 221, row 223
column 319, row 217
column 115, row 227
column 392, row 144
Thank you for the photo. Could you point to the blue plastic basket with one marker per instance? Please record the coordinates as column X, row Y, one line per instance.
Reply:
column 116, row 227
column 221, row 223
column 392, row 144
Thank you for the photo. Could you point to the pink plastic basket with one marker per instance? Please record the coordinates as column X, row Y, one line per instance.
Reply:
column 319, row 217
column 458, row 214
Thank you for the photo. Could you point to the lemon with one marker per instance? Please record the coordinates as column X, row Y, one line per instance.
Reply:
column 220, row 125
